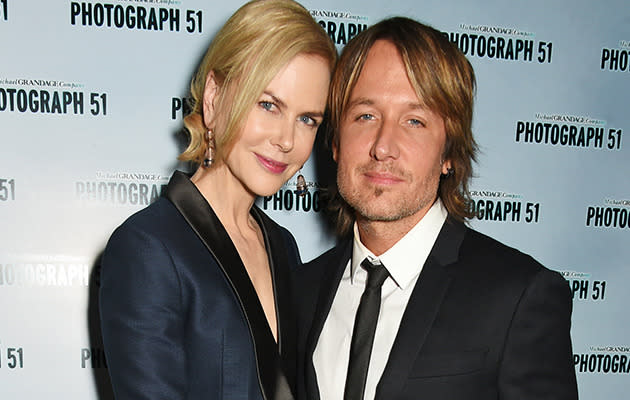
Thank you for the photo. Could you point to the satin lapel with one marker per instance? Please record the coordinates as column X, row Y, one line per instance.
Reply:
column 335, row 264
column 202, row 219
column 277, row 253
column 421, row 310
column 277, row 257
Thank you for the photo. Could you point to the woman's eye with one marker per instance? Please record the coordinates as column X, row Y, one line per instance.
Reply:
column 267, row 105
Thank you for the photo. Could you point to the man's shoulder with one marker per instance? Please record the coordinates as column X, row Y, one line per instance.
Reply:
column 478, row 244
column 332, row 255
column 327, row 263
column 484, row 254
column 493, row 269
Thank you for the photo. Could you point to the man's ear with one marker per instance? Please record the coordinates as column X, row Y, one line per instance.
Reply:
column 334, row 150
column 446, row 166
column 210, row 94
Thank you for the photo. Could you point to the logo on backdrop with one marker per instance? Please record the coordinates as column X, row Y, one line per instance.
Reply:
column 121, row 188
column 44, row 270
column 500, row 43
column 290, row 198
column 603, row 360
column 11, row 356
column 341, row 26
column 584, row 287
column 149, row 17
column 568, row 131
column 49, row 96
column 499, row 206
column 616, row 59
column 93, row 357
column 180, row 107
column 4, row 10
column 7, row 190
column 614, row 214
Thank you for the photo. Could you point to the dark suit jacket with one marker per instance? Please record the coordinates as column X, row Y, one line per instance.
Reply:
column 180, row 318
column 484, row 321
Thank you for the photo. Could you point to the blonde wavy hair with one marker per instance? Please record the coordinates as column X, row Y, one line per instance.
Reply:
column 250, row 49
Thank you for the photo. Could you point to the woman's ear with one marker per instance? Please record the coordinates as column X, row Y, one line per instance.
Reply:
column 209, row 96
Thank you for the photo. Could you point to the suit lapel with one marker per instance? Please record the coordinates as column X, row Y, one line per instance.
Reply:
column 421, row 310
column 335, row 264
column 279, row 265
column 202, row 219
column 281, row 286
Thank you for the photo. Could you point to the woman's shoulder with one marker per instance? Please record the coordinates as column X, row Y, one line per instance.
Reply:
column 158, row 221
column 154, row 215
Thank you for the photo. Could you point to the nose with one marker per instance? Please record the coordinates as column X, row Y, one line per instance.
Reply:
column 386, row 144
column 284, row 136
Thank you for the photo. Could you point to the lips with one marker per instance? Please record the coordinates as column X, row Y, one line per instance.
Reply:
column 271, row 165
column 382, row 178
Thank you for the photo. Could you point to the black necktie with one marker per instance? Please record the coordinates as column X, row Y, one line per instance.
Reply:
column 363, row 333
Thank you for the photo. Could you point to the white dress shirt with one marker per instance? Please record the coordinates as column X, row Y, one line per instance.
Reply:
column 404, row 262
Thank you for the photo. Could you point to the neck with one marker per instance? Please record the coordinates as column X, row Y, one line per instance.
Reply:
column 229, row 199
column 380, row 236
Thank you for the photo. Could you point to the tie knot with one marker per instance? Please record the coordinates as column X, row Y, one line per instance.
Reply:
column 377, row 273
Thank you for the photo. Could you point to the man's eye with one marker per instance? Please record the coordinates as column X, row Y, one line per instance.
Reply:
column 366, row 117
column 308, row 120
column 416, row 122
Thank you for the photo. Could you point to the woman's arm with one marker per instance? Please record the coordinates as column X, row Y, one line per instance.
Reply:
column 142, row 317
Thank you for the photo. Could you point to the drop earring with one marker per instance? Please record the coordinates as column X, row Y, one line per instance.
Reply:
column 300, row 186
column 209, row 157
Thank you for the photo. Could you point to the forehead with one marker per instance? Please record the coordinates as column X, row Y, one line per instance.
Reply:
column 384, row 76
column 303, row 81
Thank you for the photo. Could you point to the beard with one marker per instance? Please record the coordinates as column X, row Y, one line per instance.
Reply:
column 383, row 203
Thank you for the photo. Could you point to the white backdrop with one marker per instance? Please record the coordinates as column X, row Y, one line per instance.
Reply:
column 90, row 121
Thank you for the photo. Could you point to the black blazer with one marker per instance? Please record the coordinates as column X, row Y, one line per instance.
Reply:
column 180, row 318
column 484, row 321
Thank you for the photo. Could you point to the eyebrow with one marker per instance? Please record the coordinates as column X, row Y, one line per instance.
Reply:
column 282, row 104
column 276, row 99
column 364, row 101
column 360, row 101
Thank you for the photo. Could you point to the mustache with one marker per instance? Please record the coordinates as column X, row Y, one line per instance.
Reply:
column 381, row 168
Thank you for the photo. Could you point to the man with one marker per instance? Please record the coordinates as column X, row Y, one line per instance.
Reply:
column 460, row 315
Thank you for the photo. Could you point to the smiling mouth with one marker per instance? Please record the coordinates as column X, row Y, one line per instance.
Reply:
column 272, row 166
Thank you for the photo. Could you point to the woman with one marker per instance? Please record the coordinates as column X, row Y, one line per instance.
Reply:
column 194, row 289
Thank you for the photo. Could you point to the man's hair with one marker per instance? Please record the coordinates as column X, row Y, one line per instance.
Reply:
column 444, row 81
column 258, row 40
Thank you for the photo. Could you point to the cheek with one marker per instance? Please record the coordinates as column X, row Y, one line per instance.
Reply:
column 347, row 163
column 346, row 159
column 352, row 147
column 303, row 148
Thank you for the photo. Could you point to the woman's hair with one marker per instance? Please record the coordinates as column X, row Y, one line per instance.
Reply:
column 258, row 40
column 442, row 78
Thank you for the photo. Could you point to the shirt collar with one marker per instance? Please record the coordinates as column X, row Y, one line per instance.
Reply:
column 404, row 260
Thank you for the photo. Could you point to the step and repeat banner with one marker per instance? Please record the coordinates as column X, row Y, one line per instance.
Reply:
column 92, row 95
